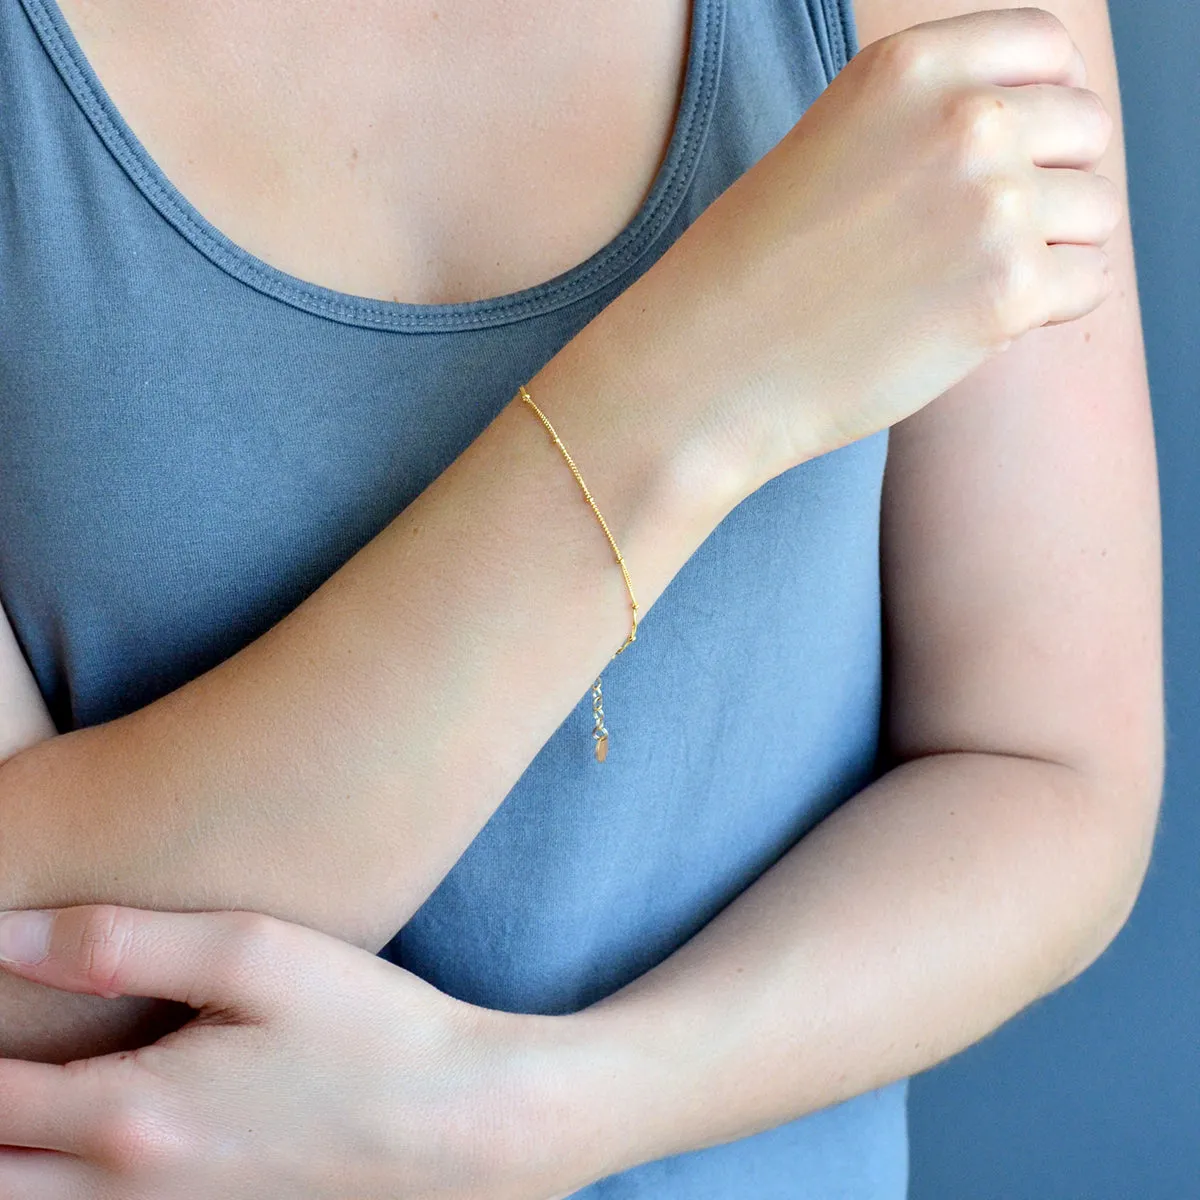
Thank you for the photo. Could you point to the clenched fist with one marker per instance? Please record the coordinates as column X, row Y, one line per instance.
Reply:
column 936, row 202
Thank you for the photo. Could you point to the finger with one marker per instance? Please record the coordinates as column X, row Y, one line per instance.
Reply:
column 221, row 960
column 32, row 1175
column 1059, row 126
column 48, row 1107
column 1006, row 46
column 108, row 1112
column 1076, row 206
column 1080, row 280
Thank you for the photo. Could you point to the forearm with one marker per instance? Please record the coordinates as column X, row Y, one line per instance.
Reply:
column 332, row 771
column 922, row 914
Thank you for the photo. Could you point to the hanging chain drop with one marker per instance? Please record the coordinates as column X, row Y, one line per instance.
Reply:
column 600, row 733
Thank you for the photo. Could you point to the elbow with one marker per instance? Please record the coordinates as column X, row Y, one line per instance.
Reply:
column 1129, row 800
column 1120, row 811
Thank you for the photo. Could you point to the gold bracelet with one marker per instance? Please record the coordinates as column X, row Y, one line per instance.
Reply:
column 599, row 733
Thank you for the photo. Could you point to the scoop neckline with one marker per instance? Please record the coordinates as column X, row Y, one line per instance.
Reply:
column 675, row 173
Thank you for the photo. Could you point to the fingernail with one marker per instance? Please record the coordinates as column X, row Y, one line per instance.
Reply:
column 25, row 936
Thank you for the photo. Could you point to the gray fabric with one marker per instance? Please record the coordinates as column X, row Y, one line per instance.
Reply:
column 194, row 440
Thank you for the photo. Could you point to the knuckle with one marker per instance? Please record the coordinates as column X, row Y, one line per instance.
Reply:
column 1042, row 18
column 904, row 57
column 103, row 941
column 134, row 1139
column 1011, row 293
column 978, row 123
column 1111, row 202
column 1005, row 203
column 1050, row 26
column 1088, row 117
column 248, row 948
column 1096, row 109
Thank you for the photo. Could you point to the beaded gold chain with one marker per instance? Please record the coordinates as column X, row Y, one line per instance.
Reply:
column 600, row 732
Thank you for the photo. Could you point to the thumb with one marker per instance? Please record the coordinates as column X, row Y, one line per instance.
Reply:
column 214, row 960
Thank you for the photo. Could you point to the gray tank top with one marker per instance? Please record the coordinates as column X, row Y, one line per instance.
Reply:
column 194, row 440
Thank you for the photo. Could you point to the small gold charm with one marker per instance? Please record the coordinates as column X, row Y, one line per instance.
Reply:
column 602, row 748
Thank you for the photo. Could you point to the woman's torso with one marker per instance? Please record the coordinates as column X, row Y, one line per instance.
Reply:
column 481, row 148
column 263, row 278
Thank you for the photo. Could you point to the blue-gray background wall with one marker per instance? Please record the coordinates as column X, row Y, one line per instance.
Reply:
column 1094, row 1092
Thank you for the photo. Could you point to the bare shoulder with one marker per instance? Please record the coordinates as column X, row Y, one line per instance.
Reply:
column 1020, row 537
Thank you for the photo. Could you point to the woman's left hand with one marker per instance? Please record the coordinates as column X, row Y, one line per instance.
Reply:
column 313, row 1071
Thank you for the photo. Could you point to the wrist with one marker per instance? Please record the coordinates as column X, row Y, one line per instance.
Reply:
column 597, row 1101
column 711, row 331
column 569, row 1103
column 650, row 1076
column 642, row 390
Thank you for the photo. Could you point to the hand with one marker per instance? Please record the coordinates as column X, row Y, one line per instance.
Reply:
column 313, row 1071
column 936, row 202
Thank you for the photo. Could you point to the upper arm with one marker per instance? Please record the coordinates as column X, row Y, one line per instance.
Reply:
column 1020, row 536
column 24, row 718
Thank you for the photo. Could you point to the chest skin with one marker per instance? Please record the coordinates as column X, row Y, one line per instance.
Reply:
column 431, row 152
